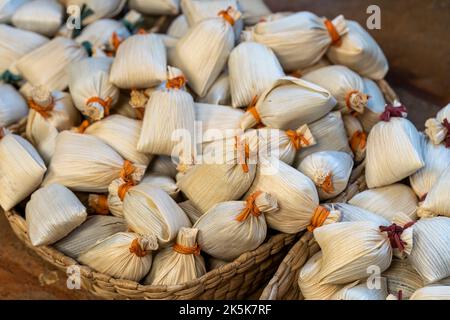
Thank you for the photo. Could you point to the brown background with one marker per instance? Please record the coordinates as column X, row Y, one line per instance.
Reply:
column 415, row 38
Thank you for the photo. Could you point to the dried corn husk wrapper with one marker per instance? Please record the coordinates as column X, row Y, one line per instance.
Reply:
column 203, row 52
column 329, row 134
column 12, row 105
column 349, row 248
column 93, row 94
column 299, row 40
column 41, row 16
column 140, row 62
column 170, row 124
column 253, row 11
column 180, row 263
column 124, row 255
column 253, row 68
column 437, row 200
column 357, row 137
column 104, row 34
column 288, row 104
column 437, row 159
column 8, row 8
column 97, row 9
column 191, row 210
column 50, row 113
column 155, row 7
column 363, row 291
column 225, row 175
column 163, row 165
column 360, row 52
column 296, row 195
column 219, row 93
column 48, row 64
column 52, row 213
column 179, row 27
column 393, row 149
column 329, row 170
column 21, row 169
column 83, row 162
column 375, row 105
column 164, row 183
column 14, row 43
column 438, row 129
column 94, row 230
column 432, row 293
column 284, row 144
column 122, row 134
column 350, row 213
column 231, row 228
column 149, row 210
column 343, row 84
column 401, row 277
column 387, row 201
column 218, row 122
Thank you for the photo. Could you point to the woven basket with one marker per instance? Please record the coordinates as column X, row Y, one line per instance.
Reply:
column 284, row 284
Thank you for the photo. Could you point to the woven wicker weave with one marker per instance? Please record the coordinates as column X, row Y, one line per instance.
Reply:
column 284, row 284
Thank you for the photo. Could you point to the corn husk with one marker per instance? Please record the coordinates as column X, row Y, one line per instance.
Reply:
column 432, row 293
column 302, row 103
column 100, row 8
column 94, row 230
column 247, row 76
column 41, row 16
column 387, row 201
column 231, row 228
column 163, row 165
column 343, row 84
column 375, row 105
column 401, row 276
column 140, row 62
column 124, row 255
column 48, row 64
column 363, row 292
column 360, row 52
column 203, row 52
column 253, row 11
column 178, row 264
column 357, row 137
column 178, row 27
column 437, row 200
column 225, row 174
column 104, row 34
column 213, row 263
column 329, row 170
column 14, row 43
column 164, row 183
column 296, row 195
column 349, row 248
column 52, row 213
column 437, row 159
column 219, row 93
column 21, row 169
column 122, row 134
column 156, row 7
column 12, row 105
column 350, row 213
column 329, row 134
column 303, row 71
column 50, row 113
column 393, row 152
column 435, row 129
column 8, row 8
column 299, row 40
column 284, row 145
column 83, row 162
column 149, row 210
column 191, row 210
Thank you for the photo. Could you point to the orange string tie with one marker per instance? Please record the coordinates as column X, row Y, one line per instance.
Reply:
column 250, row 207
column 319, row 216
column 358, row 141
column 327, row 185
column 43, row 111
column 126, row 174
column 297, row 139
column 176, row 83
column 334, row 35
column 347, row 99
column 83, row 126
column 252, row 109
column 137, row 249
column 2, row 133
column 187, row 250
column 115, row 41
column 100, row 206
column 243, row 156
column 141, row 31
column 106, row 104
column 226, row 15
